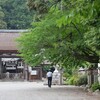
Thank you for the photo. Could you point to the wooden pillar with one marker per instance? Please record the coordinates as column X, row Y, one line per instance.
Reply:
column 95, row 73
column 40, row 73
column 26, row 72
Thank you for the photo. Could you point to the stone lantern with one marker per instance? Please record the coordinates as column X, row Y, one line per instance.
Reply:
column 81, row 71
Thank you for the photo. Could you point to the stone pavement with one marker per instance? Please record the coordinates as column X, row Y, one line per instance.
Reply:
column 38, row 91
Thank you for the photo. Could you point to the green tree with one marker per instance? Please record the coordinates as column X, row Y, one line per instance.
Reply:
column 3, row 24
column 69, row 34
column 17, row 14
column 41, row 7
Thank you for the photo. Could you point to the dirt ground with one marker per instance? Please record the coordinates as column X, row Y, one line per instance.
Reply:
column 38, row 91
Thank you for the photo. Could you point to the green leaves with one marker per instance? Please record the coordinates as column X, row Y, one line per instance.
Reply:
column 68, row 36
column 3, row 24
column 17, row 15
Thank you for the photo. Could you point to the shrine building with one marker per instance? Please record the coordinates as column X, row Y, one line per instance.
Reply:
column 11, row 65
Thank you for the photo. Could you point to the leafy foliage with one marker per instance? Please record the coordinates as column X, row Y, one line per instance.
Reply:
column 95, row 86
column 3, row 24
column 69, row 34
column 17, row 15
column 78, row 80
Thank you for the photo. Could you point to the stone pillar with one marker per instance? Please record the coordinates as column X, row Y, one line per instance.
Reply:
column 99, row 73
column 61, row 77
column 0, row 68
column 26, row 72
column 90, row 77
column 95, row 74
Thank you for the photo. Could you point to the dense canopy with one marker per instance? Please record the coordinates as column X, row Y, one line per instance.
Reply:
column 17, row 14
column 68, row 34
column 3, row 24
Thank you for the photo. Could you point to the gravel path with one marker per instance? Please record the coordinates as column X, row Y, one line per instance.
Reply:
column 38, row 91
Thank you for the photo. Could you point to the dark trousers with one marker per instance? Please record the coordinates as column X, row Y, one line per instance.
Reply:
column 49, row 81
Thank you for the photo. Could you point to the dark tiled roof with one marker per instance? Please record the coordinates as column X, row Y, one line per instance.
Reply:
column 8, row 39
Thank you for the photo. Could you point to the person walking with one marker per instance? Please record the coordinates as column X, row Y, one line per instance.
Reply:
column 49, row 76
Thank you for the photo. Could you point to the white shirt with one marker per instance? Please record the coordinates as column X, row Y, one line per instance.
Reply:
column 49, row 74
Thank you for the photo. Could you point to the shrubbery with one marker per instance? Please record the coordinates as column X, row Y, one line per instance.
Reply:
column 73, row 80
column 82, row 80
column 95, row 86
column 78, row 80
